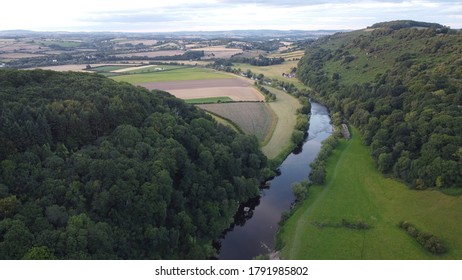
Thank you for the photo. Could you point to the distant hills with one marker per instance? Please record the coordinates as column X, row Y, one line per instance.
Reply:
column 308, row 34
column 398, row 24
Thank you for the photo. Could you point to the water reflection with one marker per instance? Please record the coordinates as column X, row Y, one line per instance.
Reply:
column 256, row 221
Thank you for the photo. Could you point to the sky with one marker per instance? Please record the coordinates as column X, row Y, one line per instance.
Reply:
column 213, row 15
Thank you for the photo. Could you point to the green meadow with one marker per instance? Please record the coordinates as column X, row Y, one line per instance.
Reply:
column 208, row 100
column 355, row 191
column 181, row 74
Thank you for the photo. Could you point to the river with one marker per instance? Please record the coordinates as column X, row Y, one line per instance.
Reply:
column 254, row 229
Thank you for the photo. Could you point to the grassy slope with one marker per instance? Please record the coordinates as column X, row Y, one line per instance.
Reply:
column 272, row 71
column 184, row 74
column 284, row 107
column 355, row 190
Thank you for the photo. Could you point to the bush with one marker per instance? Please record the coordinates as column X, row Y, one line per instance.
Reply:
column 429, row 241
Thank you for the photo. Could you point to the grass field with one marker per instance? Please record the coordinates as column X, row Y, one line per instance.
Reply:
column 108, row 68
column 63, row 44
column 355, row 190
column 255, row 118
column 273, row 71
column 181, row 74
column 284, row 107
column 218, row 99
column 289, row 55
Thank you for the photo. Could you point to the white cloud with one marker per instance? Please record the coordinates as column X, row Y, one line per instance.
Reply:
column 137, row 15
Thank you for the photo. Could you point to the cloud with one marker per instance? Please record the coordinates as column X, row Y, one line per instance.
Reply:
column 137, row 15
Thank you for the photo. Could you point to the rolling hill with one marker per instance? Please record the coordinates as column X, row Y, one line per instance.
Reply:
column 400, row 83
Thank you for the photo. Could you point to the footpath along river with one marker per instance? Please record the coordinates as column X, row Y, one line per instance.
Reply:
column 255, row 224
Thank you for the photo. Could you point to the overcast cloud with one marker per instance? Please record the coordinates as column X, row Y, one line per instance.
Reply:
column 207, row 15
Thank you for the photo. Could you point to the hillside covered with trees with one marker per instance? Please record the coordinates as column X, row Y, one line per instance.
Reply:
column 95, row 169
column 400, row 83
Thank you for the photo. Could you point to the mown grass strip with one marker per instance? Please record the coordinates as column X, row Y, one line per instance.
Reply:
column 209, row 100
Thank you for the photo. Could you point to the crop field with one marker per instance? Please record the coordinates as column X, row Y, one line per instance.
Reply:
column 219, row 52
column 18, row 55
column 284, row 107
column 247, row 93
column 61, row 43
column 82, row 67
column 356, row 191
column 169, row 76
column 237, row 89
column 255, row 118
column 152, row 54
column 146, row 42
column 289, row 55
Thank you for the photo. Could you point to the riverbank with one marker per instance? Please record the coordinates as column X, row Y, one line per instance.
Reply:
column 355, row 192
column 285, row 108
column 256, row 223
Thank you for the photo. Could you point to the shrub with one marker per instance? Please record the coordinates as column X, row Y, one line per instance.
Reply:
column 429, row 241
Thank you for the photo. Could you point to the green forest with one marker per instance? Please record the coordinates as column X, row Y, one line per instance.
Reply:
column 95, row 169
column 400, row 84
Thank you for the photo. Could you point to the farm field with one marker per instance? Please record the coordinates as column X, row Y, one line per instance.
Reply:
column 246, row 93
column 284, row 107
column 253, row 118
column 17, row 55
column 80, row 67
column 237, row 89
column 289, row 55
column 214, row 52
column 218, row 99
column 152, row 54
column 358, row 192
column 273, row 71
column 182, row 74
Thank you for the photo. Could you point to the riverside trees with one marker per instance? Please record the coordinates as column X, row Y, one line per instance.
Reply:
column 410, row 111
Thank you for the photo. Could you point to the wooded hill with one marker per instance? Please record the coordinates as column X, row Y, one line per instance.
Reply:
column 400, row 83
column 95, row 169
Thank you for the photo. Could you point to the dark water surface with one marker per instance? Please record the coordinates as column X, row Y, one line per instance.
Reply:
column 256, row 222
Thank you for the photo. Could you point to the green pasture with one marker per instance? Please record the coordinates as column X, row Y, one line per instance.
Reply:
column 273, row 71
column 218, row 99
column 109, row 68
column 155, row 68
column 181, row 74
column 62, row 44
column 356, row 191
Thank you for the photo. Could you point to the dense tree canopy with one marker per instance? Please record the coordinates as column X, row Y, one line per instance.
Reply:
column 402, row 87
column 94, row 169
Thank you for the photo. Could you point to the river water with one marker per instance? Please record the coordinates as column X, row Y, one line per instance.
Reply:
column 255, row 224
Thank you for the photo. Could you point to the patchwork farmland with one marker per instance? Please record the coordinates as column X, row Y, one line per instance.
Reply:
column 237, row 89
